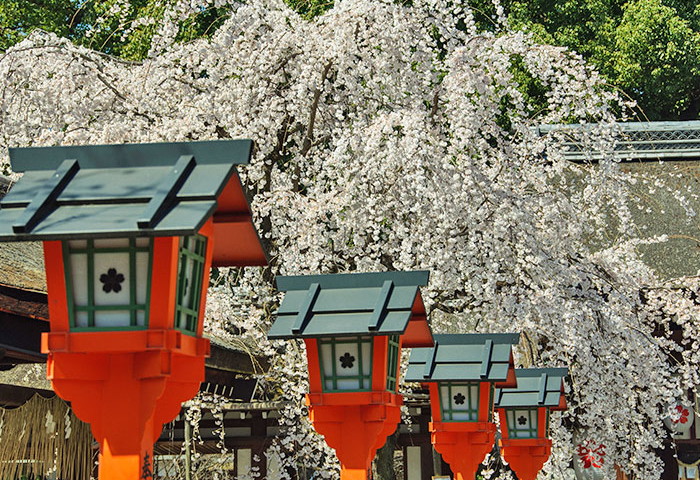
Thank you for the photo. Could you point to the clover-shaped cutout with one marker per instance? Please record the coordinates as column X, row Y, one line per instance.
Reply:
column 459, row 399
column 347, row 360
column 522, row 420
column 112, row 281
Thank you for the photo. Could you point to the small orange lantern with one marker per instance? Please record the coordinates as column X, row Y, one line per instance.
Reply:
column 524, row 414
column 461, row 371
column 130, row 233
column 354, row 327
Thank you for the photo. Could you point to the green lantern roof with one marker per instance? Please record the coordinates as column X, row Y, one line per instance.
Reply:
column 537, row 387
column 353, row 304
column 463, row 357
column 163, row 189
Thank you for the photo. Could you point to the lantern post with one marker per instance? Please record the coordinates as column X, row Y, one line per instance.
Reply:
column 354, row 326
column 461, row 371
column 130, row 233
column 524, row 414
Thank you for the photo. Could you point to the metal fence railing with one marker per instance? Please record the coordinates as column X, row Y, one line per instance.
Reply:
column 633, row 140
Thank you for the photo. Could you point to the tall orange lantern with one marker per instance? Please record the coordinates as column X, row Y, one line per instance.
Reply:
column 524, row 415
column 354, row 326
column 462, row 371
column 130, row 233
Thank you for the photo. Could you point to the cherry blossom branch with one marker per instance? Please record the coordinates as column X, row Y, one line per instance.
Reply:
column 308, row 138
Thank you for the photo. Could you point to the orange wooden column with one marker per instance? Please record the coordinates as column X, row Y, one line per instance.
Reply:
column 125, row 384
column 117, row 394
column 354, row 424
column 356, row 432
column 526, row 457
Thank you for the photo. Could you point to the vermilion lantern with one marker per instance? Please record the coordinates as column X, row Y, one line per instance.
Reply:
column 130, row 233
column 461, row 371
column 524, row 414
column 354, row 327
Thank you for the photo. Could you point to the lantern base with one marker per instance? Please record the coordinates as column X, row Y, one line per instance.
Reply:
column 357, row 428
column 463, row 445
column 526, row 456
column 126, row 398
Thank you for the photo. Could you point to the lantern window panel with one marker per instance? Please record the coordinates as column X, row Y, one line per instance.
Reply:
column 346, row 363
column 459, row 401
column 108, row 282
column 522, row 423
column 392, row 362
column 190, row 276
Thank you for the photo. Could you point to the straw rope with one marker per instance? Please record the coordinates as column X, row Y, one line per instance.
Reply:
column 43, row 436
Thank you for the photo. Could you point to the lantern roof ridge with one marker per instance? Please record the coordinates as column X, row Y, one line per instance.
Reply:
column 133, row 190
column 353, row 280
column 537, row 372
column 475, row 338
column 130, row 155
column 380, row 303
column 536, row 387
column 464, row 357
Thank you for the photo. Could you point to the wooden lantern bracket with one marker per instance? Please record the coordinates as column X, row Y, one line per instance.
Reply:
column 526, row 456
column 463, row 445
column 126, row 397
column 356, row 429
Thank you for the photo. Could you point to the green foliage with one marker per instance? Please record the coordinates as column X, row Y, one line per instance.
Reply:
column 533, row 91
column 100, row 25
column 19, row 17
column 658, row 59
column 94, row 23
column 310, row 8
column 138, row 42
column 648, row 48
